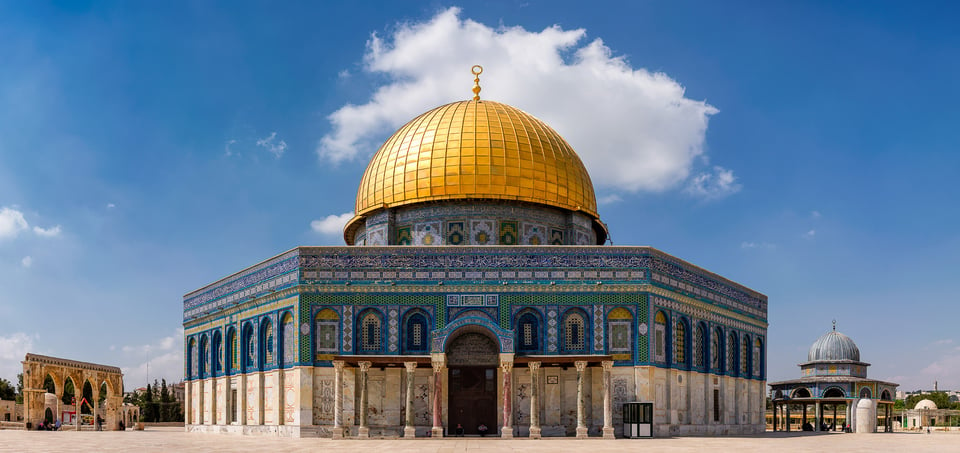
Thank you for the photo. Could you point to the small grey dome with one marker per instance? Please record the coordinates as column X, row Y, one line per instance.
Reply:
column 925, row 404
column 833, row 346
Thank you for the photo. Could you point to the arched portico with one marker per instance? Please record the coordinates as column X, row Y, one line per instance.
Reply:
column 76, row 385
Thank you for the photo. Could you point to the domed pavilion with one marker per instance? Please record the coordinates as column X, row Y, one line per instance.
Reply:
column 833, row 382
column 475, row 288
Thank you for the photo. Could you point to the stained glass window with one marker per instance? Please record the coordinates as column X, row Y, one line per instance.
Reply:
column 416, row 333
column 700, row 345
column 232, row 356
column 715, row 342
column 204, row 355
column 573, row 333
column 732, row 353
column 370, row 332
column 217, row 352
column 268, row 343
column 681, row 343
column 529, row 333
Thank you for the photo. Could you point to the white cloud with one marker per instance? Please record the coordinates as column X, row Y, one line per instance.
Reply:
column 712, row 186
column 810, row 234
column 757, row 245
column 815, row 214
column 609, row 199
column 111, row 205
column 331, row 224
column 160, row 359
column 13, row 348
column 27, row 261
column 276, row 148
column 226, row 148
column 11, row 223
column 634, row 129
column 47, row 232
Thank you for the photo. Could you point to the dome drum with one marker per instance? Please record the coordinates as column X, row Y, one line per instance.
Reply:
column 478, row 222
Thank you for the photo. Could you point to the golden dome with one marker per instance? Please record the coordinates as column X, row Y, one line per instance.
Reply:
column 475, row 150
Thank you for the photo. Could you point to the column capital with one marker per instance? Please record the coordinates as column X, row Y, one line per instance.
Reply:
column 437, row 367
column 534, row 366
column 607, row 365
column 364, row 366
column 410, row 366
column 581, row 365
column 338, row 365
column 506, row 367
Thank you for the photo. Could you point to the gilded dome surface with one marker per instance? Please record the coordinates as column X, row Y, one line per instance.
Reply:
column 475, row 150
column 833, row 346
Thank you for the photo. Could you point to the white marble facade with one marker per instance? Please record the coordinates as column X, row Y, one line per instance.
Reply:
column 683, row 401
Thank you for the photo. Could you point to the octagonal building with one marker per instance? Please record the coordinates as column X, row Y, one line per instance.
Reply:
column 474, row 289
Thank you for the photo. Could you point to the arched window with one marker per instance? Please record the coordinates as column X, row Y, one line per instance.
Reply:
column 288, row 337
column 204, row 356
column 701, row 345
column 528, row 333
column 217, row 353
column 370, row 338
column 267, row 342
column 192, row 358
column 680, row 345
column 732, row 365
column 745, row 356
column 250, row 348
column 660, row 337
column 716, row 353
column 619, row 338
column 326, row 332
column 231, row 357
column 574, row 337
column 865, row 393
column 416, row 333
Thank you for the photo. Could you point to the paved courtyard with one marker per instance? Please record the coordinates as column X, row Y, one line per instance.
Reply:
column 175, row 440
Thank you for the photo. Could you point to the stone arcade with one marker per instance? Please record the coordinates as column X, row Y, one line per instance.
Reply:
column 474, row 289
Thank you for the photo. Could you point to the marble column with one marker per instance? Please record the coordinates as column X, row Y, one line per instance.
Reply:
column 409, row 430
column 818, row 417
column 437, row 430
column 608, row 432
column 506, row 431
column 787, row 410
column 534, row 399
column 364, row 430
column 338, row 399
column 581, row 411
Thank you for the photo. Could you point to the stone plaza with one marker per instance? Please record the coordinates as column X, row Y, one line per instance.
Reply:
column 175, row 439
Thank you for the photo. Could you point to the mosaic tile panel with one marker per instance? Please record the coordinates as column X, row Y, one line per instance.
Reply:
column 456, row 235
column 393, row 329
column 404, row 235
column 556, row 237
column 483, row 232
column 508, row 233
column 347, row 329
column 552, row 325
column 598, row 321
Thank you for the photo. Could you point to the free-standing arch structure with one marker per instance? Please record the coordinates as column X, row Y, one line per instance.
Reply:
column 36, row 368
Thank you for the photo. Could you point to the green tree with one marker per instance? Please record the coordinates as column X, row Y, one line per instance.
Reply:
column 19, row 388
column 898, row 405
column 146, row 407
column 7, row 390
column 941, row 399
column 166, row 414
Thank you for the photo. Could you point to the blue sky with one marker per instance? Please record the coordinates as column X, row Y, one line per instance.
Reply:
column 807, row 151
